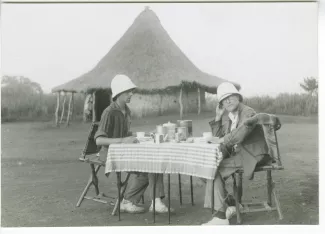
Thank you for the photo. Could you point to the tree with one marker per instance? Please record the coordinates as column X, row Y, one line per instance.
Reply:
column 310, row 85
column 20, row 97
column 20, row 83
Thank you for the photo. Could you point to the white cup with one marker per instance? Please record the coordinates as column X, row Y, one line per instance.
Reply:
column 159, row 138
column 207, row 134
column 140, row 134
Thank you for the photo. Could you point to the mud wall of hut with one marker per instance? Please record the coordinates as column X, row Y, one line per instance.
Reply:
column 159, row 104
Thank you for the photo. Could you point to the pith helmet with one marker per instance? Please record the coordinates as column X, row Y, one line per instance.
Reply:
column 226, row 89
column 121, row 83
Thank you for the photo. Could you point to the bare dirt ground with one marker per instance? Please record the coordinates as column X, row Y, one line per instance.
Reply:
column 42, row 178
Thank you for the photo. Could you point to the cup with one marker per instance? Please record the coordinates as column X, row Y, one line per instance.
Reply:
column 140, row 134
column 207, row 135
column 161, row 129
column 159, row 138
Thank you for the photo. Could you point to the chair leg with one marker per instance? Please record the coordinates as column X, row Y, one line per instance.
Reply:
column 118, row 175
column 168, row 198
column 277, row 202
column 180, row 189
column 269, row 187
column 84, row 192
column 154, row 199
column 94, row 177
column 90, row 182
column 122, row 194
column 240, row 186
column 212, row 197
column 192, row 198
column 239, row 220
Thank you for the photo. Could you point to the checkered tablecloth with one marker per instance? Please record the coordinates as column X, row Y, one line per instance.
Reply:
column 199, row 160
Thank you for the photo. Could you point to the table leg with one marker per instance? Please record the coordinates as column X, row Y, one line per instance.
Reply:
column 118, row 175
column 168, row 198
column 192, row 199
column 154, row 198
column 212, row 197
column 180, row 189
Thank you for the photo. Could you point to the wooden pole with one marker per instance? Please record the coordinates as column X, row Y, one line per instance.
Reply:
column 57, row 108
column 70, row 109
column 181, row 103
column 199, row 100
column 72, row 106
column 85, row 108
column 63, row 106
column 94, row 106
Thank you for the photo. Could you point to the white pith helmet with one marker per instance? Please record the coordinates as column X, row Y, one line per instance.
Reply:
column 226, row 89
column 121, row 83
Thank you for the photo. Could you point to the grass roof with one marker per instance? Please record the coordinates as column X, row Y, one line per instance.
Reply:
column 148, row 55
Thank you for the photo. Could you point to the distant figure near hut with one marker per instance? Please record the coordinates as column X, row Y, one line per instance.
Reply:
column 167, row 81
column 88, row 108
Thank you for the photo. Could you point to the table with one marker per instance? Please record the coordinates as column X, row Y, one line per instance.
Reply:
column 194, row 159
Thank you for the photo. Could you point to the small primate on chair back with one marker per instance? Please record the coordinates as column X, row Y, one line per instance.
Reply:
column 270, row 124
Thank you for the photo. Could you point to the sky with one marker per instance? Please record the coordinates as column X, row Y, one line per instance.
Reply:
column 268, row 48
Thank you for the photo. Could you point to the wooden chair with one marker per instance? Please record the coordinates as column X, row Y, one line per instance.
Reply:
column 90, row 155
column 270, row 124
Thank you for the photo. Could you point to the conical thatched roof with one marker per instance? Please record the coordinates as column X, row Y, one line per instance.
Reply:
column 148, row 55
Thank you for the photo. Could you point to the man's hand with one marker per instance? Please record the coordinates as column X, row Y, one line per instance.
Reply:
column 216, row 140
column 219, row 112
column 130, row 140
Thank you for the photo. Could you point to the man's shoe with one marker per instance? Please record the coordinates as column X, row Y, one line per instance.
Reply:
column 129, row 207
column 216, row 221
column 160, row 207
column 231, row 211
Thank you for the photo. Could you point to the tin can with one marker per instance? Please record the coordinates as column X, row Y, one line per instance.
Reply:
column 182, row 131
column 188, row 125
column 171, row 134
column 161, row 129
column 171, row 130
column 177, row 137
column 159, row 138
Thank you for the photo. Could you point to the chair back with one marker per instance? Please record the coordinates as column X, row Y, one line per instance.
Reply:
column 270, row 124
column 91, row 147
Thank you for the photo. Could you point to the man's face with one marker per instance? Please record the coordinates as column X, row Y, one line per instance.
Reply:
column 126, row 96
column 231, row 103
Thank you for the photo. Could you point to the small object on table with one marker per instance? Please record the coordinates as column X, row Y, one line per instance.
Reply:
column 171, row 130
column 145, row 140
column 161, row 129
column 190, row 140
column 177, row 137
column 207, row 135
column 188, row 125
column 140, row 134
column 182, row 131
column 159, row 138
column 199, row 140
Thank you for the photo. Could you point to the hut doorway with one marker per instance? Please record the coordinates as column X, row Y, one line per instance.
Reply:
column 95, row 103
column 102, row 100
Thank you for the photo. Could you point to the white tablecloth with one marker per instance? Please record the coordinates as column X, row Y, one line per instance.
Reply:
column 199, row 160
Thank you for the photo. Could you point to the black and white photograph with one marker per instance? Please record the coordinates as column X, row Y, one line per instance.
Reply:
column 159, row 114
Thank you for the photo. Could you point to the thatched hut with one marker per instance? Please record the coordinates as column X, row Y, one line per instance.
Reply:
column 167, row 80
